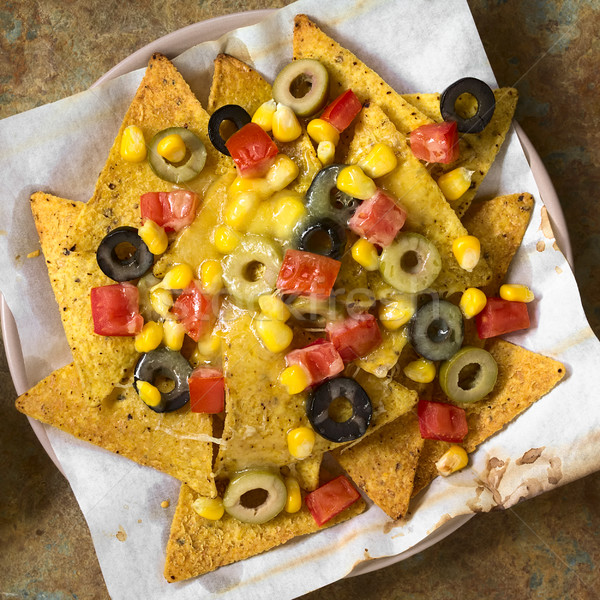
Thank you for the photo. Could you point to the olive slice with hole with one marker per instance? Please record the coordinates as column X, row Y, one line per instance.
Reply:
column 469, row 375
column 123, row 256
column 339, row 410
column 303, row 85
column 312, row 312
column 486, row 104
column 189, row 167
column 323, row 236
column 411, row 263
column 169, row 372
column 436, row 330
column 255, row 496
column 232, row 113
column 251, row 270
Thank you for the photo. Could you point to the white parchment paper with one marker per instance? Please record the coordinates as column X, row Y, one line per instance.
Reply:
column 417, row 45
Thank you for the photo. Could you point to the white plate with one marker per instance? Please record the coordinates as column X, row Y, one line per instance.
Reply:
column 172, row 45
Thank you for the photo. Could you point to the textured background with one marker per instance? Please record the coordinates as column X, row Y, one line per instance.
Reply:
column 548, row 547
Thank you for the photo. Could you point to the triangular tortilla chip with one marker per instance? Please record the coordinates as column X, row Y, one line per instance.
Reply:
column 197, row 545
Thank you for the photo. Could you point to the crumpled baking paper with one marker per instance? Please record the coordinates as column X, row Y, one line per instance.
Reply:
column 416, row 45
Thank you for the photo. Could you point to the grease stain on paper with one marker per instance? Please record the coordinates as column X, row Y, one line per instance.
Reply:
column 121, row 535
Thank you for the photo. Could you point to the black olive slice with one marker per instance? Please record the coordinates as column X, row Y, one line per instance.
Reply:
column 319, row 403
column 123, row 256
column 303, row 85
column 325, row 237
column 436, row 330
column 173, row 368
column 486, row 103
column 230, row 112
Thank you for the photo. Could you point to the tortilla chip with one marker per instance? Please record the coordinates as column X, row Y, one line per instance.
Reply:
column 176, row 443
column 307, row 472
column 197, row 545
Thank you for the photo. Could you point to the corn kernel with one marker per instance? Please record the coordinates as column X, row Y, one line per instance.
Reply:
column 161, row 301
column 263, row 116
column 262, row 222
column 211, row 276
column 210, row 345
column 294, row 379
column 178, row 277
column 395, row 313
column 455, row 183
column 240, row 209
column 516, row 292
column 154, row 236
column 467, row 251
column 256, row 185
column 209, row 508
column 365, row 254
column 322, row 131
column 225, row 239
column 472, row 302
column 421, row 370
column 275, row 335
column 355, row 183
column 281, row 173
column 149, row 338
column 380, row 161
column 173, row 335
column 288, row 210
column 172, row 148
column 293, row 502
column 453, row 460
column 274, row 307
column 326, row 153
column 133, row 145
column 285, row 124
column 301, row 441
column 149, row 393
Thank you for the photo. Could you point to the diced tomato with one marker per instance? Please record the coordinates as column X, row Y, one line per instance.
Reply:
column 355, row 336
column 501, row 316
column 171, row 210
column 207, row 390
column 252, row 150
column 331, row 499
column 440, row 421
column 307, row 274
column 436, row 142
column 341, row 112
column 115, row 309
column 378, row 219
column 320, row 361
column 192, row 309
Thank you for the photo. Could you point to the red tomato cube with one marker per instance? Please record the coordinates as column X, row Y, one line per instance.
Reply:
column 341, row 112
column 436, row 142
column 115, row 309
column 320, row 361
column 501, row 316
column 252, row 150
column 307, row 274
column 192, row 309
column 378, row 219
column 171, row 210
column 207, row 390
column 355, row 336
column 331, row 499
column 440, row 421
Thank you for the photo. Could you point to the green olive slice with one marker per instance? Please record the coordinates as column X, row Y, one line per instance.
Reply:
column 302, row 85
column 469, row 375
column 411, row 263
column 191, row 165
column 255, row 496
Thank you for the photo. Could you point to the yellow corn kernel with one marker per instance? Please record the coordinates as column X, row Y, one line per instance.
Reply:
column 301, row 441
column 172, row 148
column 149, row 338
column 516, row 292
column 154, row 236
column 467, row 251
column 288, row 209
column 472, row 302
column 275, row 335
column 240, row 209
column 149, row 393
column 262, row 222
column 285, row 124
column 395, row 313
column 209, row 508
column 210, row 345
column 173, row 335
column 255, row 185
column 294, row 379
column 380, row 161
column 322, row 131
column 365, row 254
column 326, row 153
column 455, row 183
column 263, row 116
column 211, row 276
column 178, row 277
column 293, row 502
column 355, row 183
column 281, row 173
column 133, row 145
column 274, row 307
column 421, row 370
column 225, row 239
column 161, row 301
column 454, row 459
